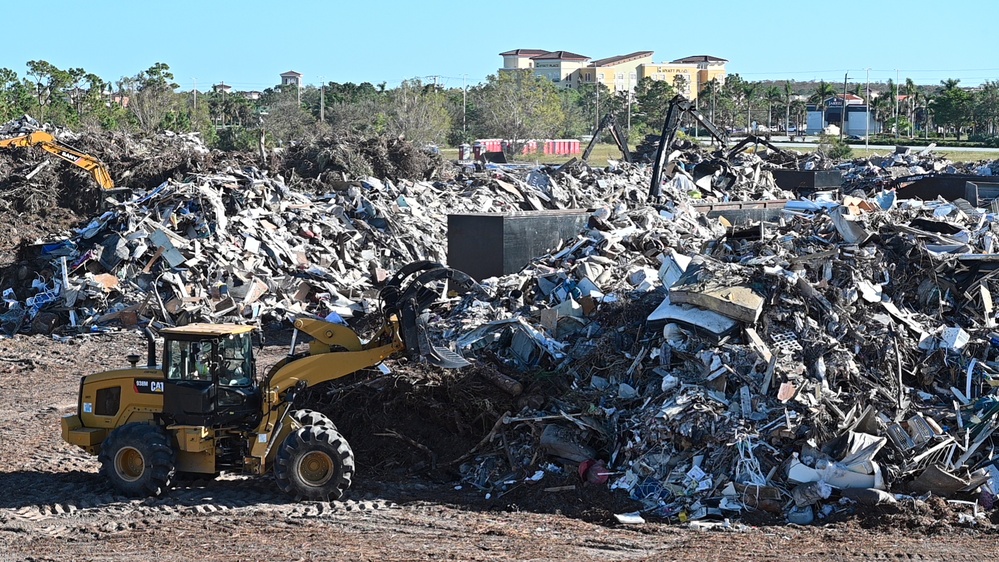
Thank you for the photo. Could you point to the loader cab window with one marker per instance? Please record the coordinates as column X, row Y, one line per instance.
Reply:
column 237, row 361
column 190, row 361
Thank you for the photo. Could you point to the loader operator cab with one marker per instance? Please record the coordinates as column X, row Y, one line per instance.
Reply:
column 209, row 375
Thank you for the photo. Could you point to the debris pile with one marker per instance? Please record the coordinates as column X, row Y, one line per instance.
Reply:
column 803, row 367
column 843, row 353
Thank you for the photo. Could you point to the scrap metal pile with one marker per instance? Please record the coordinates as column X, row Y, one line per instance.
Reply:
column 843, row 353
column 801, row 367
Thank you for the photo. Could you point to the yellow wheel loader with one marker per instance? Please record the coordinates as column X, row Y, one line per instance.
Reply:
column 203, row 410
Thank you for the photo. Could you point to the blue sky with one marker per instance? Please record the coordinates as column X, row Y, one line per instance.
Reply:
column 249, row 43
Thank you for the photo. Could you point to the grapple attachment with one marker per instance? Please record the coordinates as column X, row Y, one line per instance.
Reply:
column 409, row 299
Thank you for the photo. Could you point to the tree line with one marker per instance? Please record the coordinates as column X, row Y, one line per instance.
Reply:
column 511, row 105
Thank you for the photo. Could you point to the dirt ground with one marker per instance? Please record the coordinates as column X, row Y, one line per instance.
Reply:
column 54, row 505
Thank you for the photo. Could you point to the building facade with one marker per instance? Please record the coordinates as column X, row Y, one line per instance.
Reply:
column 291, row 78
column 520, row 59
column 683, row 77
column 562, row 67
column 619, row 73
column 859, row 120
column 708, row 68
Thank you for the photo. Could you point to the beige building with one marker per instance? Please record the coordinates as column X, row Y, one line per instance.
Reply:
column 520, row 59
column 683, row 77
column 618, row 73
column 562, row 67
column 708, row 68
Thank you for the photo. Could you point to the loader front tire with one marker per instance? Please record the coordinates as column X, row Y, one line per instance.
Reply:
column 314, row 463
column 312, row 417
column 138, row 460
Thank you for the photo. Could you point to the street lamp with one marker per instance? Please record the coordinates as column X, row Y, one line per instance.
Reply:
column 867, row 117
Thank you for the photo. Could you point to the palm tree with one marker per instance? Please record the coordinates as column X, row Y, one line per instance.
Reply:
column 711, row 90
column 772, row 95
column 800, row 112
column 749, row 92
column 788, row 94
column 892, row 94
column 822, row 92
column 881, row 107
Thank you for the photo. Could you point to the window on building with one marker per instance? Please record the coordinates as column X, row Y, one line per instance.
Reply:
column 620, row 76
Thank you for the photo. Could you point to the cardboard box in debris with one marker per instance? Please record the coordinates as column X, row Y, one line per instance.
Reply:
column 841, row 353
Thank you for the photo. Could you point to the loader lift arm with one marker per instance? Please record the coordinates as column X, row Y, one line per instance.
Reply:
column 49, row 144
column 678, row 106
column 609, row 121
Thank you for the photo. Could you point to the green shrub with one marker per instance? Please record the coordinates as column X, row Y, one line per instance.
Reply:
column 832, row 146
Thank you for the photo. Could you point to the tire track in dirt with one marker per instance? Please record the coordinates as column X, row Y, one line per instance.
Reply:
column 64, row 506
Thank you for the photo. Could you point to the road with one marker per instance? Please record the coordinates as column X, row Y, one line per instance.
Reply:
column 810, row 143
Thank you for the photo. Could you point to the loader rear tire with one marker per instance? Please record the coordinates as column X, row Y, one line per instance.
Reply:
column 312, row 417
column 314, row 463
column 138, row 460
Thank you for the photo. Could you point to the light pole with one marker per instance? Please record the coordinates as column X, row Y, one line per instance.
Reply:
column 842, row 110
column 867, row 117
column 896, row 103
column 597, row 108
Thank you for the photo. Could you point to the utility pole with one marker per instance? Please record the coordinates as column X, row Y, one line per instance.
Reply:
column 322, row 99
column 464, row 101
column 195, row 96
column 842, row 112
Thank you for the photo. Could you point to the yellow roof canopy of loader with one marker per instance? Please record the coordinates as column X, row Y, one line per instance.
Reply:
column 210, row 330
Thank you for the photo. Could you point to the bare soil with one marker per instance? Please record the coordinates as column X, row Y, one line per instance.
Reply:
column 55, row 506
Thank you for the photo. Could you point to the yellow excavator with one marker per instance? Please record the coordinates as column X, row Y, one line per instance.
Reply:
column 204, row 411
column 48, row 143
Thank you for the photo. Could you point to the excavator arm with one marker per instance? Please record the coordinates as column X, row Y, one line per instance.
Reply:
column 678, row 106
column 609, row 121
column 755, row 140
column 49, row 144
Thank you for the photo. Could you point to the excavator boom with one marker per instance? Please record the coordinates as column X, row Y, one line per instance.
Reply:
column 609, row 121
column 677, row 107
column 49, row 144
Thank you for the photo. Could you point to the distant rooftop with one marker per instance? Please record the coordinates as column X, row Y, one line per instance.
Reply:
column 698, row 58
column 610, row 61
column 524, row 53
column 560, row 55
